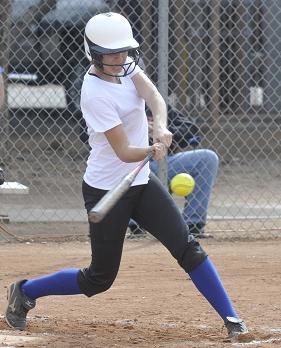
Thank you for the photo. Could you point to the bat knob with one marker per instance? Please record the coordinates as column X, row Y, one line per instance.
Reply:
column 94, row 217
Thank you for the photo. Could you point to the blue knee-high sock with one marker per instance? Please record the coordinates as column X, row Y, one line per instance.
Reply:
column 208, row 282
column 63, row 282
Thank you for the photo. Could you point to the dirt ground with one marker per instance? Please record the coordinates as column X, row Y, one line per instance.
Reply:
column 152, row 303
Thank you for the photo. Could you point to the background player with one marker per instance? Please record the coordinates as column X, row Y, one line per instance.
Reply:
column 201, row 164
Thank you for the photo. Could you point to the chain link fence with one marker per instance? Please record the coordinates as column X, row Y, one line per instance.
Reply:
column 216, row 62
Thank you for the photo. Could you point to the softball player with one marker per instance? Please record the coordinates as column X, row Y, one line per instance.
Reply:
column 113, row 98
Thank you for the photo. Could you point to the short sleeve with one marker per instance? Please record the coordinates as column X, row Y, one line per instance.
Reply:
column 1, row 69
column 100, row 114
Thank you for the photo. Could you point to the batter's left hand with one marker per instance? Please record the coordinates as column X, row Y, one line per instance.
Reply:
column 162, row 135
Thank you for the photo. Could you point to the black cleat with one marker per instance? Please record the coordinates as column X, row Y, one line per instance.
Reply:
column 18, row 306
column 2, row 177
column 235, row 327
column 135, row 231
column 197, row 230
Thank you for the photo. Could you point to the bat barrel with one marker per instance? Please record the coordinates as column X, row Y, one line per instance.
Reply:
column 98, row 212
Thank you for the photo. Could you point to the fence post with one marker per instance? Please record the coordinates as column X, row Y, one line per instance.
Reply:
column 163, row 39
column 5, row 20
column 215, row 64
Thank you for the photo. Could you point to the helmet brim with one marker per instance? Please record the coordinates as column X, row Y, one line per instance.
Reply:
column 102, row 50
column 119, row 47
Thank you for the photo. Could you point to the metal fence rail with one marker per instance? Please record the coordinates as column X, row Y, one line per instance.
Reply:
column 217, row 62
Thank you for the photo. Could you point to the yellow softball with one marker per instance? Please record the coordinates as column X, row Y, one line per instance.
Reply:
column 182, row 184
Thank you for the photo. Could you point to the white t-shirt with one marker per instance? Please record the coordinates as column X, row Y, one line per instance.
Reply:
column 104, row 106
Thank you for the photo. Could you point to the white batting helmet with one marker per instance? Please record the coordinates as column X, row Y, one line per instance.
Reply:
column 107, row 33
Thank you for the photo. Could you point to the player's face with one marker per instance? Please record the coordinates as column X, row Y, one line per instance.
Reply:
column 112, row 63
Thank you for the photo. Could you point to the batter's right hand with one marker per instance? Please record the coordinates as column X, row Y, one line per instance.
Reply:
column 159, row 150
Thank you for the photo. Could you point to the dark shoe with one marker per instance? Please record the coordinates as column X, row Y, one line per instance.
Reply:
column 235, row 327
column 197, row 230
column 136, row 231
column 18, row 306
column 2, row 177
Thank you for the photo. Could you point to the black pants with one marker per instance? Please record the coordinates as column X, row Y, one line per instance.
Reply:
column 153, row 208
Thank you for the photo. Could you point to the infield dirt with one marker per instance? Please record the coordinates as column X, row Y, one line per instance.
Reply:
column 152, row 303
